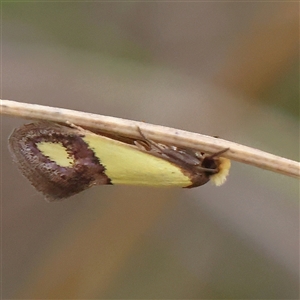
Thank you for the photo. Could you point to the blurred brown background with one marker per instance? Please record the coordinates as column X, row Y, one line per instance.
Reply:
column 220, row 68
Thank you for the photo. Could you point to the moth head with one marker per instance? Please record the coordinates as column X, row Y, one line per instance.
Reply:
column 219, row 165
column 223, row 170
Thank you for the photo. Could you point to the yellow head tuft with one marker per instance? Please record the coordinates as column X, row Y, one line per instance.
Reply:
column 220, row 177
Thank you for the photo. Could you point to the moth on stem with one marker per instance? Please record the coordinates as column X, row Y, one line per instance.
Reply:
column 160, row 134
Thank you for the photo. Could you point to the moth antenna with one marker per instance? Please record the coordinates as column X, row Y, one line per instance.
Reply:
column 218, row 153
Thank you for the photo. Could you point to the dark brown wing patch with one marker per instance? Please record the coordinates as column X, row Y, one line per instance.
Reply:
column 54, row 181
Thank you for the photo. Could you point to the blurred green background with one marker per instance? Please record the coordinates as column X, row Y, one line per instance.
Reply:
column 220, row 68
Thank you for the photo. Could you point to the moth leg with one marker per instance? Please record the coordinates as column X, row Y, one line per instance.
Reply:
column 174, row 154
column 149, row 143
column 72, row 125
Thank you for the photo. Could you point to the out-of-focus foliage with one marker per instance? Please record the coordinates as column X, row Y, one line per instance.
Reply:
column 229, row 69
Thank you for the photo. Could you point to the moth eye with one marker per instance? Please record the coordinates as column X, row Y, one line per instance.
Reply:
column 209, row 163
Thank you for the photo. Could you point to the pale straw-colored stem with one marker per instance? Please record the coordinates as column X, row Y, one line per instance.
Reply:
column 161, row 134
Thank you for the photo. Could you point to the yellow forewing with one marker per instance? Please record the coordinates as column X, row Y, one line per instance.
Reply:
column 126, row 164
column 56, row 152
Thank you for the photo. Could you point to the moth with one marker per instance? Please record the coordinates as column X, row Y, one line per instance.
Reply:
column 61, row 160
